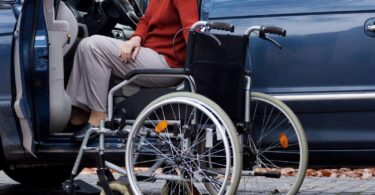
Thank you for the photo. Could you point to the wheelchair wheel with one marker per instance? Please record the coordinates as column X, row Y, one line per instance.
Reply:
column 183, row 139
column 276, row 153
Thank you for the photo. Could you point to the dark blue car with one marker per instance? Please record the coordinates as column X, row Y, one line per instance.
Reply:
column 325, row 73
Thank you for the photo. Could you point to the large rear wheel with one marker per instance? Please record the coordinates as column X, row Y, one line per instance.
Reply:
column 276, row 153
column 186, row 142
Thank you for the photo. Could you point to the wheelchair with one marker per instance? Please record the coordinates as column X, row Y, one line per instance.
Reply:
column 216, row 138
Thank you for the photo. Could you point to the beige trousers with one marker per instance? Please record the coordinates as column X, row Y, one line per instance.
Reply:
column 96, row 58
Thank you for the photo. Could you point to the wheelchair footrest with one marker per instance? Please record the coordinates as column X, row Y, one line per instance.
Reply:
column 80, row 187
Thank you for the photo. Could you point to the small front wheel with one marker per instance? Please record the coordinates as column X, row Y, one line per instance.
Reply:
column 117, row 189
column 183, row 140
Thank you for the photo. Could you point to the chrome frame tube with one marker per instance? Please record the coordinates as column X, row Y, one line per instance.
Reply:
column 172, row 178
column 252, row 29
column 101, row 138
column 167, row 177
column 171, row 122
column 198, row 24
column 156, row 165
column 115, row 167
column 83, row 148
column 193, row 85
column 247, row 98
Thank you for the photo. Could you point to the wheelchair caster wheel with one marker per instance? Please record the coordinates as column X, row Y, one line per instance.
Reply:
column 79, row 187
column 68, row 187
column 117, row 188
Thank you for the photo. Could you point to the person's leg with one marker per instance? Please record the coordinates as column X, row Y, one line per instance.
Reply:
column 107, row 54
column 147, row 59
column 79, row 116
column 80, row 112
column 96, row 117
column 89, row 80
column 96, row 58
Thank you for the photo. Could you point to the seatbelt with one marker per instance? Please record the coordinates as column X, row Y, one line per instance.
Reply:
column 56, row 6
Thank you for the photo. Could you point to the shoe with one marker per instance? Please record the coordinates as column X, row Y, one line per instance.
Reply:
column 80, row 134
column 73, row 128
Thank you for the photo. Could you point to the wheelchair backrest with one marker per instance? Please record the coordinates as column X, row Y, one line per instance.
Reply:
column 218, row 69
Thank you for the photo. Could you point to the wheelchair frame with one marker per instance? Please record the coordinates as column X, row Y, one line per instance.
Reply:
column 103, row 172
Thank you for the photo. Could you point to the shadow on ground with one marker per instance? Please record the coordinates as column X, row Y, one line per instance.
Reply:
column 17, row 189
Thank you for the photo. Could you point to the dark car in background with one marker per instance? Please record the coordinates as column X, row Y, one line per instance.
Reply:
column 325, row 73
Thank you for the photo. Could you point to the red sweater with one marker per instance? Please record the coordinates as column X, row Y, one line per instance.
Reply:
column 161, row 21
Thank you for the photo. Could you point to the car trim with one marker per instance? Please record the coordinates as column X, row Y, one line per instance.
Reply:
column 327, row 96
column 289, row 14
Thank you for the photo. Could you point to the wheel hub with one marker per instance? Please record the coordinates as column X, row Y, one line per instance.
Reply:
column 178, row 160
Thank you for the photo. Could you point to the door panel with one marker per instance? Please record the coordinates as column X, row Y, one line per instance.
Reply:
column 6, row 33
column 326, row 52
column 317, row 56
column 31, row 73
column 23, row 95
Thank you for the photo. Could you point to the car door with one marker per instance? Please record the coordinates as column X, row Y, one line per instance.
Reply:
column 31, row 73
column 325, row 71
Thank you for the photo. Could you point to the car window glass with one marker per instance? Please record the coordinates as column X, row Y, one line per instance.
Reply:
column 227, row 8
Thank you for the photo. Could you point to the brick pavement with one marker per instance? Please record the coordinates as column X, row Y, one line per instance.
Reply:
column 311, row 186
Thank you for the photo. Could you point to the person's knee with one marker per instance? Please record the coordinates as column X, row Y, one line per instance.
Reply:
column 96, row 41
column 84, row 44
column 91, row 42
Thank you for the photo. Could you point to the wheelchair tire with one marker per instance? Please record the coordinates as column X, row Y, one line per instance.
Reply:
column 275, row 144
column 214, row 129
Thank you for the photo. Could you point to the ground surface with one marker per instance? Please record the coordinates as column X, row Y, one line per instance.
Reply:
column 312, row 185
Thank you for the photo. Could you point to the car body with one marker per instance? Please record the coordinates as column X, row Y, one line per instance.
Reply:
column 324, row 73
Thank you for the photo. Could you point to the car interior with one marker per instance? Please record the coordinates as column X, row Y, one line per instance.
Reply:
column 68, row 22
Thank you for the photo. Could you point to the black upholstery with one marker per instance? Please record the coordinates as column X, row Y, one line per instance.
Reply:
column 199, row 7
column 171, row 71
column 218, row 70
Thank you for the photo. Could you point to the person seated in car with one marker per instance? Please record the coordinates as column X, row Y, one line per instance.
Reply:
column 151, row 46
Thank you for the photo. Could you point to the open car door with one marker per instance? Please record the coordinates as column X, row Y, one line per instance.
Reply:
column 31, row 73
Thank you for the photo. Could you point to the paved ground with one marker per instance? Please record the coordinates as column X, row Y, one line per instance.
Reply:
column 311, row 186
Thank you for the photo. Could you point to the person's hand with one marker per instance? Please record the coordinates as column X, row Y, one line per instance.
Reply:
column 129, row 49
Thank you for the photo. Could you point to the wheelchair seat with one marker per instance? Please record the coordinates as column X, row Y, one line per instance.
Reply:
column 172, row 71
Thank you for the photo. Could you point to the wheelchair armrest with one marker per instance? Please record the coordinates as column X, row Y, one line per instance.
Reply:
column 171, row 71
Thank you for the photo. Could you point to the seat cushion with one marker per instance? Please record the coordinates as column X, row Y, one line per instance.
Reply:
column 156, row 71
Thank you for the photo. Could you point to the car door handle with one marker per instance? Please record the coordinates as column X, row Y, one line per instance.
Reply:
column 371, row 27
